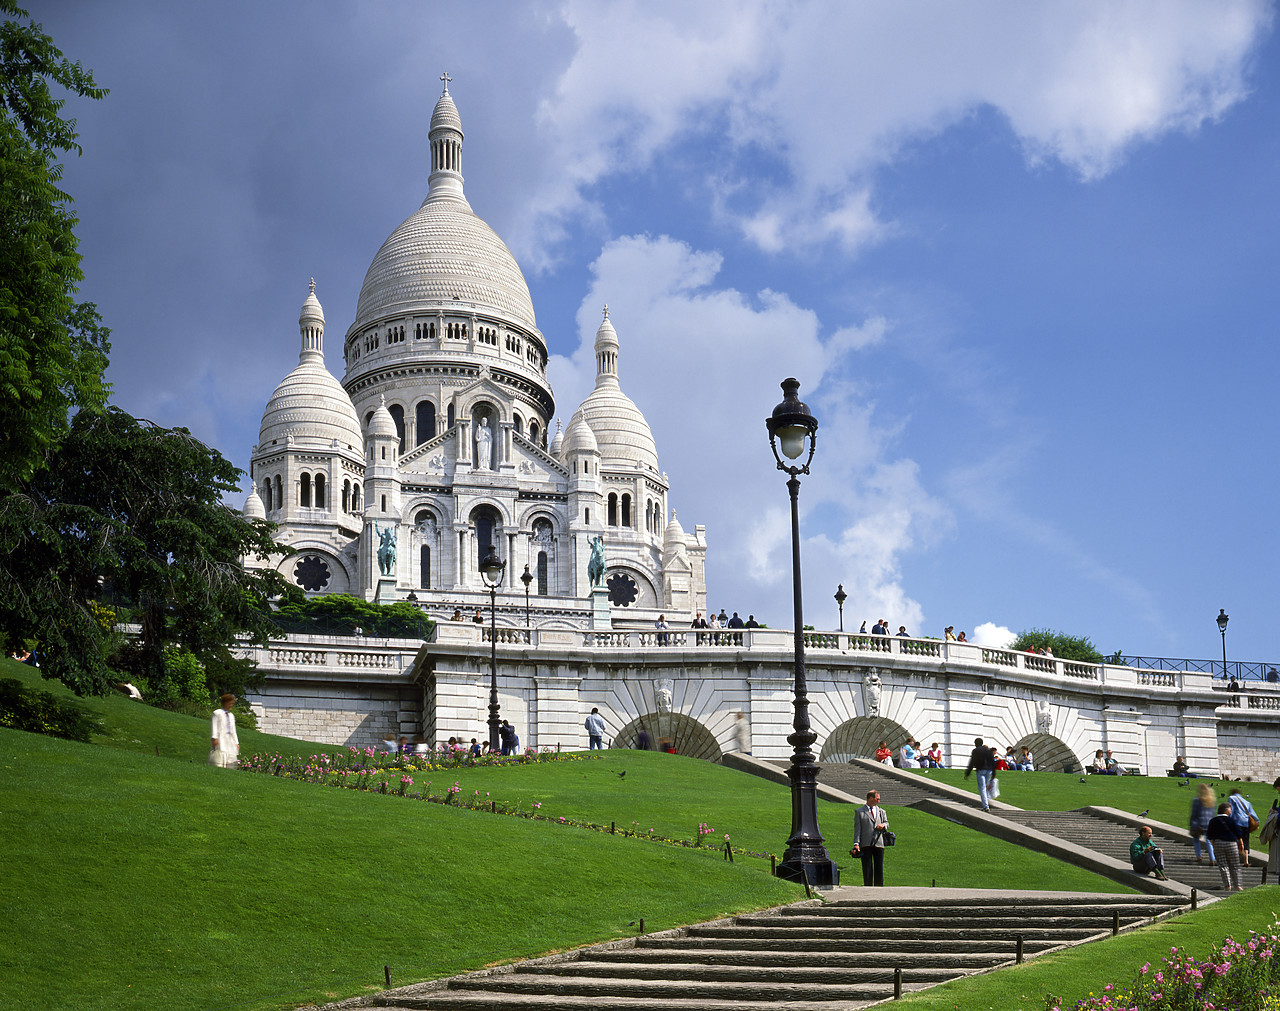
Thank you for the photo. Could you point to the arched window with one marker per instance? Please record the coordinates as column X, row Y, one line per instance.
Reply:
column 519, row 425
column 626, row 510
column 425, row 566
column 450, row 416
column 613, row 509
column 533, row 432
column 484, row 532
column 355, row 498
column 397, row 415
column 346, row 496
column 304, row 491
column 319, row 491
column 279, row 493
column 426, row 421
column 542, row 573
column 384, row 503
column 367, row 418
column 266, row 494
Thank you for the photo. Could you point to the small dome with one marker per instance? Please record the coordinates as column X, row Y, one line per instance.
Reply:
column 675, row 532
column 312, row 312
column 310, row 404
column 623, row 435
column 557, row 443
column 445, row 116
column 578, row 437
column 253, row 507
column 382, row 425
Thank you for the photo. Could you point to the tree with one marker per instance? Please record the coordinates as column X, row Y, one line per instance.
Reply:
column 53, row 349
column 1066, row 647
column 141, row 506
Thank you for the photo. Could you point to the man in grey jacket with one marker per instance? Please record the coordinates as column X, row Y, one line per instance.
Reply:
column 595, row 730
column 869, row 826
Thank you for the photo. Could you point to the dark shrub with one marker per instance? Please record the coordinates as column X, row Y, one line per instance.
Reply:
column 38, row 712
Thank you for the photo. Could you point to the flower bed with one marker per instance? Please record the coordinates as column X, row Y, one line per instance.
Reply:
column 1238, row 976
column 393, row 774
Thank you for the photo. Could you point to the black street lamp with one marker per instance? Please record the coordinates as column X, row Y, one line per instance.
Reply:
column 491, row 569
column 1223, row 618
column 793, row 425
column 526, row 577
column 841, row 597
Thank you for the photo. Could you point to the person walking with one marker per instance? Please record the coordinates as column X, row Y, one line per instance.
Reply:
column 1146, row 856
column 982, row 761
column 1270, row 834
column 224, row 749
column 1202, row 811
column 1245, row 817
column 1230, row 849
column 595, row 731
column 869, row 827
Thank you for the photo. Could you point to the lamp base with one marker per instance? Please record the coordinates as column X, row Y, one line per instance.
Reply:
column 820, row 872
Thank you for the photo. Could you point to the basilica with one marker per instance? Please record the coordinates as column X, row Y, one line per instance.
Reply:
column 437, row 445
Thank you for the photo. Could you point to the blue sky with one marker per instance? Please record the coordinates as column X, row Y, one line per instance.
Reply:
column 1022, row 258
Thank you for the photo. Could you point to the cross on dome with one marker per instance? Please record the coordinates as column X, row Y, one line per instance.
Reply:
column 446, row 78
column 606, row 310
column 313, row 286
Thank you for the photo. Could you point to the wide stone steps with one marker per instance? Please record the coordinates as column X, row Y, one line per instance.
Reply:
column 925, row 955
column 836, row 956
column 1113, row 840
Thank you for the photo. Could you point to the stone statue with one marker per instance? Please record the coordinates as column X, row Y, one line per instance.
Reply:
column 664, row 693
column 1044, row 718
column 484, row 446
column 386, row 549
column 595, row 567
column 871, row 693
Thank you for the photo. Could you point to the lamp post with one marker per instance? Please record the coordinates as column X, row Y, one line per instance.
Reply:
column 1223, row 618
column 491, row 569
column 841, row 597
column 793, row 425
column 526, row 577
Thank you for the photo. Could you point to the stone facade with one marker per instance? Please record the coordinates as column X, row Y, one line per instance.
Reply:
column 691, row 691
column 436, row 445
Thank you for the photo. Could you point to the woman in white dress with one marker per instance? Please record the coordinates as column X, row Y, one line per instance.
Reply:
column 225, row 749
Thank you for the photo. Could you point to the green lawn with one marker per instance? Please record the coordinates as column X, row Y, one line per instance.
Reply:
column 144, row 883
column 1072, row 974
column 1057, row 791
column 135, row 726
column 671, row 794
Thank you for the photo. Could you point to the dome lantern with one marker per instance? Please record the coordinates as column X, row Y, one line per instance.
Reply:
column 445, row 135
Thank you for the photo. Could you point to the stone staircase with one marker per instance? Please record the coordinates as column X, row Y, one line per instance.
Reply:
column 1113, row 839
column 813, row 956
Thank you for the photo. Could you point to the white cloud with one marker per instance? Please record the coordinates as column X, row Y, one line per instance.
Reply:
column 704, row 364
column 993, row 635
column 828, row 92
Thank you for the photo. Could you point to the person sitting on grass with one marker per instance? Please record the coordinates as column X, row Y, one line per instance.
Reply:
column 1182, row 769
column 907, row 756
column 883, row 755
column 1098, row 766
column 1146, row 856
column 934, row 757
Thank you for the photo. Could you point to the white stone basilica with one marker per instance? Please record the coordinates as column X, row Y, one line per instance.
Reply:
column 434, row 446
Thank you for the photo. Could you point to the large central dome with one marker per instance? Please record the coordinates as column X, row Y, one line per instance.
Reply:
column 444, row 256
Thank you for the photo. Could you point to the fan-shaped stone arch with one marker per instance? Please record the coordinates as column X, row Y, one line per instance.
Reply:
column 860, row 736
column 685, row 735
column 1049, row 753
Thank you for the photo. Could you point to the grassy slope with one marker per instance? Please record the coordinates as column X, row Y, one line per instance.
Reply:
column 672, row 794
column 1072, row 974
column 145, row 883
column 1057, row 791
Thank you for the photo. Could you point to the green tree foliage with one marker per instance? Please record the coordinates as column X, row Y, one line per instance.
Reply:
column 53, row 349
column 141, row 506
column 341, row 614
column 1066, row 647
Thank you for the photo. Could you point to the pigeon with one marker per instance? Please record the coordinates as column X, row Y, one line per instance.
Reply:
column 1083, row 780
column 622, row 774
column 1143, row 814
column 1185, row 782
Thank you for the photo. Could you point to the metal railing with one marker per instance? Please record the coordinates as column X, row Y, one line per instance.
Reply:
column 1241, row 670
